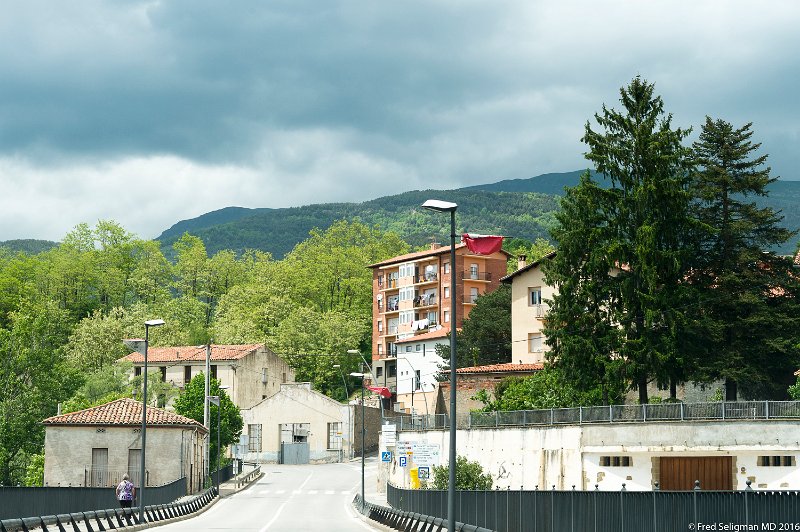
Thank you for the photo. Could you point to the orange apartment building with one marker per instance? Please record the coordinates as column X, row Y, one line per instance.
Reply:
column 412, row 298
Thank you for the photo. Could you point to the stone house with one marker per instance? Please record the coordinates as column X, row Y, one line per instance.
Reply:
column 96, row 446
column 251, row 372
column 300, row 425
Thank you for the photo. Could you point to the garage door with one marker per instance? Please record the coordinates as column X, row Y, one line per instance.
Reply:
column 713, row 472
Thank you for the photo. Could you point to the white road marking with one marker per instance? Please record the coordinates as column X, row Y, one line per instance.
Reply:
column 280, row 509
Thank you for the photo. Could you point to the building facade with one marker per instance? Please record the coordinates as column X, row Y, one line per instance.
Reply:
column 96, row 446
column 251, row 372
column 300, row 425
column 412, row 299
column 473, row 379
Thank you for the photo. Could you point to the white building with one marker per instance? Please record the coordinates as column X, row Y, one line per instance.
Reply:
column 417, row 368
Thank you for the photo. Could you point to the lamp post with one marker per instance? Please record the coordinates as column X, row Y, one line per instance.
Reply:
column 215, row 399
column 372, row 375
column 446, row 206
column 363, row 435
column 142, row 469
column 206, row 421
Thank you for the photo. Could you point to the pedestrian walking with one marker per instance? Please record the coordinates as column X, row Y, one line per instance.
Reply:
column 126, row 492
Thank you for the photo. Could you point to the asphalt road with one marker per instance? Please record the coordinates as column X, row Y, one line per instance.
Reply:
column 291, row 499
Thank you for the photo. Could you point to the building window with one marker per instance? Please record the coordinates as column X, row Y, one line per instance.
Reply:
column 615, row 461
column 380, row 326
column 408, row 349
column 473, row 271
column 283, row 377
column 137, row 371
column 534, row 296
column 335, row 436
column 213, row 371
column 446, row 316
column 380, row 349
column 391, row 370
column 418, row 347
column 254, row 443
column 446, row 267
column 534, row 343
column 378, row 371
column 777, row 461
column 187, row 374
column 380, row 280
column 163, row 373
column 417, row 381
column 446, row 292
column 473, row 295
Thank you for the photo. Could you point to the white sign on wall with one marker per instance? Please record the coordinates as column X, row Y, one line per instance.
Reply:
column 426, row 454
column 389, row 435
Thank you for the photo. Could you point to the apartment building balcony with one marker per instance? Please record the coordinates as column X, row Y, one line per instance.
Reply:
column 475, row 275
column 425, row 301
column 429, row 278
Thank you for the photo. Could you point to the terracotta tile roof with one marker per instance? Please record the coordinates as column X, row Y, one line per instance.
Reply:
column 501, row 368
column 193, row 353
column 441, row 333
column 123, row 412
column 427, row 253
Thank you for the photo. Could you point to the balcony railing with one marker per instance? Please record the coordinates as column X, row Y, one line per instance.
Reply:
column 472, row 275
column 425, row 301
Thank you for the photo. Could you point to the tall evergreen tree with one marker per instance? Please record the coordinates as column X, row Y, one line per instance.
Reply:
column 622, row 250
column 746, row 321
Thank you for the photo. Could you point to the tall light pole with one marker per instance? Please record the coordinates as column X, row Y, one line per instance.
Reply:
column 446, row 206
column 206, row 421
column 363, row 434
column 371, row 373
column 142, row 478
column 215, row 399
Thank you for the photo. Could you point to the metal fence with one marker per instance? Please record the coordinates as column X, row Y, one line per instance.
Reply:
column 738, row 410
column 112, row 518
column 400, row 520
column 607, row 511
column 24, row 501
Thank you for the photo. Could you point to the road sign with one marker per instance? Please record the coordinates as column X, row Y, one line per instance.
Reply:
column 403, row 461
column 404, row 448
column 426, row 454
column 386, row 456
column 389, row 435
column 424, row 472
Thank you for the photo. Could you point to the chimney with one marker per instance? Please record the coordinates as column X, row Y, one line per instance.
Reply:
column 435, row 246
column 522, row 261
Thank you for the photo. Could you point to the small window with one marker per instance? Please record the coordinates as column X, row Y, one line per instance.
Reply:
column 615, row 461
column 283, row 377
column 254, row 442
column 446, row 292
column 380, row 326
column 187, row 374
column 418, row 347
column 213, row 371
column 380, row 349
column 447, row 316
column 408, row 349
column 534, row 296
column 446, row 267
column 391, row 370
column 335, row 436
column 379, row 371
column 535, row 343
column 163, row 373
column 137, row 371
column 777, row 461
column 417, row 381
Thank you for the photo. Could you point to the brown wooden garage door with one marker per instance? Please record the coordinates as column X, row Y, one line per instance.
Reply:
column 713, row 472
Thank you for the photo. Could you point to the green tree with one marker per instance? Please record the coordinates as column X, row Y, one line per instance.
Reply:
column 548, row 388
column 107, row 384
column 97, row 340
column 622, row 250
column 469, row 476
column 745, row 322
column 34, row 474
column 485, row 336
column 190, row 404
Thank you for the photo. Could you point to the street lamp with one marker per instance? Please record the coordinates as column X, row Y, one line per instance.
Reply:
column 346, row 393
column 215, row 400
column 363, row 435
column 446, row 206
column 372, row 375
column 142, row 478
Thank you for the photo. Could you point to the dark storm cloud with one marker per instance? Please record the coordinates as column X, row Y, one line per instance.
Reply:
column 295, row 102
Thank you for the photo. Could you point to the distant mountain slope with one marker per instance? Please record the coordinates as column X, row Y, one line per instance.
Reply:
column 518, row 208
column 29, row 245
column 526, row 215
column 783, row 196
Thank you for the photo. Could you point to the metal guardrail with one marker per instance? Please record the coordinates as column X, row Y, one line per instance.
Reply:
column 609, row 511
column 400, row 520
column 114, row 518
column 648, row 413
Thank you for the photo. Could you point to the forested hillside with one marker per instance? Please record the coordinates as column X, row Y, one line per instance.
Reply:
column 525, row 215
column 521, row 208
column 27, row 245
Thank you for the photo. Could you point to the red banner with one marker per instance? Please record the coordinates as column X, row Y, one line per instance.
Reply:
column 380, row 390
column 482, row 244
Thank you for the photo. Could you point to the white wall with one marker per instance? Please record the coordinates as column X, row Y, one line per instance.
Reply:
column 570, row 455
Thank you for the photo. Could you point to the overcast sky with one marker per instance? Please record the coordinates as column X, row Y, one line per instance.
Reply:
column 148, row 113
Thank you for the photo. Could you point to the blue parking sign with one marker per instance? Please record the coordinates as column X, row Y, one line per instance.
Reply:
column 386, row 456
column 403, row 461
